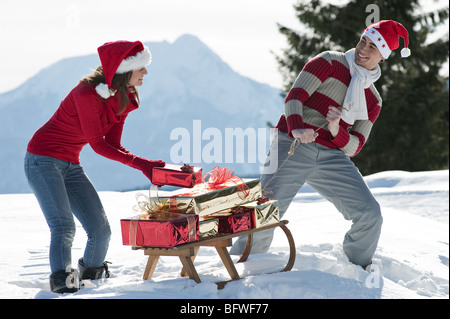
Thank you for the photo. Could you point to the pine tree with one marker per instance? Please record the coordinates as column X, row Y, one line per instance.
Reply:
column 412, row 131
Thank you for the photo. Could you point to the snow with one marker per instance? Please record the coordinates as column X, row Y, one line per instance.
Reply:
column 411, row 261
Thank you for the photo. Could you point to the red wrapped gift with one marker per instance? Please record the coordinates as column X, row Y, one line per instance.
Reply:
column 234, row 220
column 177, row 175
column 160, row 230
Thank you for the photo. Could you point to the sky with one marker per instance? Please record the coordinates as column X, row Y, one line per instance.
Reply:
column 244, row 33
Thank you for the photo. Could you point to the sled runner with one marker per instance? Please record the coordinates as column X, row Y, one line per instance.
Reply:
column 187, row 253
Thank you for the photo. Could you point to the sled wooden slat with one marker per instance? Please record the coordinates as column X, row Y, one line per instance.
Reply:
column 188, row 252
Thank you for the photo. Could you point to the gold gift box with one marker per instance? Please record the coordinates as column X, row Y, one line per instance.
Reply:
column 202, row 201
column 265, row 214
column 209, row 227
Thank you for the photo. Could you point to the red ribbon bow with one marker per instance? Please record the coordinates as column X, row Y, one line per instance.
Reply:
column 220, row 177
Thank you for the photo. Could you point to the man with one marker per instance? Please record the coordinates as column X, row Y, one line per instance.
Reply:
column 329, row 113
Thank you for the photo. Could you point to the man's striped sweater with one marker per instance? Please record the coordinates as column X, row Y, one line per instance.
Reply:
column 323, row 82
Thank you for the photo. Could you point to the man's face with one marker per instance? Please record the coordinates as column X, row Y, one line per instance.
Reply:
column 367, row 54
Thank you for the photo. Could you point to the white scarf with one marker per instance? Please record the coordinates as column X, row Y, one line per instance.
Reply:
column 355, row 106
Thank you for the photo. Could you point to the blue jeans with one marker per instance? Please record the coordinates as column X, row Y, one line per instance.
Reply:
column 63, row 190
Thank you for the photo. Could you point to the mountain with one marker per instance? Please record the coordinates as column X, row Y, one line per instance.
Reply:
column 194, row 109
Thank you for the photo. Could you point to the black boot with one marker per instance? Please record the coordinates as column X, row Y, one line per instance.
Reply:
column 62, row 281
column 92, row 273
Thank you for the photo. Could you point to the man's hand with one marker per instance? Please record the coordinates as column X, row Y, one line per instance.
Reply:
column 305, row 135
column 333, row 118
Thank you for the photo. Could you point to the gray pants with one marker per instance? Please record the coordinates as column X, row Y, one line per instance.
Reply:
column 334, row 176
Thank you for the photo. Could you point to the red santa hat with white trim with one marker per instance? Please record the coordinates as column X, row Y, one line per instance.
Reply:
column 385, row 35
column 120, row 57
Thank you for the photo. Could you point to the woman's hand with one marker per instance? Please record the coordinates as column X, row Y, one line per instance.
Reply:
column 146, row 166
column 305, row 135
column 333, row 118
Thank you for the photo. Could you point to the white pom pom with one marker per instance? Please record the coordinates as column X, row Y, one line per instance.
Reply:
column 406, row 52
column 103, row 90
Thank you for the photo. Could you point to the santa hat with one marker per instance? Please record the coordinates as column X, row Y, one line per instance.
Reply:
column 120, row 57
column 385, row 35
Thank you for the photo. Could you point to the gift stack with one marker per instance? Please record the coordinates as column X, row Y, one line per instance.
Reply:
column 223, row 204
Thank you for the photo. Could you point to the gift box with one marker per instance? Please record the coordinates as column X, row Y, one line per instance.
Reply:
column 264, row 212
column 160, row 230
column 235, row 219
column 209, row 227
column 204, row 199
column 176, row 175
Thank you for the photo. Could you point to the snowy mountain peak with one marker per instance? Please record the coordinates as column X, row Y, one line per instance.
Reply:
column 189, row 40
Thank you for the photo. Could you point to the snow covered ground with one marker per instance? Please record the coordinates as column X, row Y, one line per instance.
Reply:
column 411, row 260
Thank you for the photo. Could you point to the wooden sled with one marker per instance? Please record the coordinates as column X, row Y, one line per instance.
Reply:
column 187, row 253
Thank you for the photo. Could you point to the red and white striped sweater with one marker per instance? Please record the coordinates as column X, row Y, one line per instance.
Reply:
column 323, row 82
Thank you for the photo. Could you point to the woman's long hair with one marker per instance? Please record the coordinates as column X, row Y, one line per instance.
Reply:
column 119, row 80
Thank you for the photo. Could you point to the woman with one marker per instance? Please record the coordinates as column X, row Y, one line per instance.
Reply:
column 93, row 113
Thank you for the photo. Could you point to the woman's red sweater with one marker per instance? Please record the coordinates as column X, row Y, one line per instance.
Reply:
column 83, row 117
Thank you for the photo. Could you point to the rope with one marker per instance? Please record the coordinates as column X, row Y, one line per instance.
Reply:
column 291, row 152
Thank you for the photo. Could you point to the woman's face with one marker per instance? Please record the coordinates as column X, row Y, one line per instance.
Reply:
column 137, row 77
column 367, row 54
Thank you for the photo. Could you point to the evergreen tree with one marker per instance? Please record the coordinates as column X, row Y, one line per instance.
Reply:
column 412, row 131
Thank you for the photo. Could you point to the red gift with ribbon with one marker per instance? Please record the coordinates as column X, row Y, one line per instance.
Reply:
column 156, row 225
column 234, row 220
column 177, row 175
column 152, row 231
